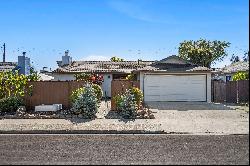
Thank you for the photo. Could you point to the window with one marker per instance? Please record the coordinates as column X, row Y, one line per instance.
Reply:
column 228, row 78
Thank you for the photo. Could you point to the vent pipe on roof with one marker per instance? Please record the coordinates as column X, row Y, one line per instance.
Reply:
column 67, row 53
column 138, row 61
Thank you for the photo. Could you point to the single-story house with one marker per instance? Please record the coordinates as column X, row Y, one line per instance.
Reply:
column 226, row 73
column 109, row 70
column 175, row 79
column 7, row 66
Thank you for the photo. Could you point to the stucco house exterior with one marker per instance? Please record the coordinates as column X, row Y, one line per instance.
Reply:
column 109, row 70
column 175, row 79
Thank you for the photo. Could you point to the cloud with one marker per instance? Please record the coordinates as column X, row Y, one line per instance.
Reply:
column 136, row 10
column 96, row 58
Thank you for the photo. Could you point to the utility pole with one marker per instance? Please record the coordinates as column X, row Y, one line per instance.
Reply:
column 3, row 52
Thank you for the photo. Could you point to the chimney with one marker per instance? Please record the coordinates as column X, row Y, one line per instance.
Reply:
column 24, row 53
column 67, row 53
column 66, row 59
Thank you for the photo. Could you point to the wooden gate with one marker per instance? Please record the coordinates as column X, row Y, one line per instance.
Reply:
column 231, row 91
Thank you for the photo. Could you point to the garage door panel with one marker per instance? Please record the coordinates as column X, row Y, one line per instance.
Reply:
column 175, row 88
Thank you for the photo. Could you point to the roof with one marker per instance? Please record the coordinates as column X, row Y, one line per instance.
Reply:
column 174, row 60
column 235, row 67
column 172, row 63
column 7, row 66
column 103, row 66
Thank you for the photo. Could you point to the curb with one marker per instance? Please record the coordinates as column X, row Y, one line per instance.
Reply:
column 80, row 132
column 128, row 132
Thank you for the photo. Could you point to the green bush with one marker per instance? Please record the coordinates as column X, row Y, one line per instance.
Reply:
column 126, row 104
column 86, row 103
column 11, row 83
column 10, row 104
column 240, row 76
column 98, row 91
column 75, row 94
column 138, row 95
column 131, row 77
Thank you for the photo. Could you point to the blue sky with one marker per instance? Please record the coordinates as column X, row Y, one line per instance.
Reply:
column 130, row 29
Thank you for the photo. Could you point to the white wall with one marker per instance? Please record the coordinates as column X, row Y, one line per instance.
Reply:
column 106, row 85
column 63, row 77
column 142, row 75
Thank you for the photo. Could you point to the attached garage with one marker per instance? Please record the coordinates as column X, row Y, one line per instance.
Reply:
column 175, row 79
column 168, row 87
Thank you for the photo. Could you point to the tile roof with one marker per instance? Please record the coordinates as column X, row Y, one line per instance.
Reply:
column 7, row 66
column 172, row 63
column 183, row 69
column 102, row 66
column 235, row 67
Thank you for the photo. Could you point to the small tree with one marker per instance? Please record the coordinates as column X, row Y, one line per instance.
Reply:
column 234, row 58
column 86, row 103
column 246, row 56
column 203, row 52
column 241, row 76
column 116, row 59
column 13, row 84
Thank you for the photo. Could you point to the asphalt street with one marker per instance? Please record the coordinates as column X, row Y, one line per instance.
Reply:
column 124, row 149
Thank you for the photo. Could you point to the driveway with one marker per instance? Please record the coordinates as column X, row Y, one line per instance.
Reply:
column 197, row 117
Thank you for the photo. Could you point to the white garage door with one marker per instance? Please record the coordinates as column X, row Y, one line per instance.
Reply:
column 175, row 88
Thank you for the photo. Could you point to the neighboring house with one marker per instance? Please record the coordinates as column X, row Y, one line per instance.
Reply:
column 175, row 79
column 109, row 70
column 7, row 66
column 45, row 77
column 226, row 73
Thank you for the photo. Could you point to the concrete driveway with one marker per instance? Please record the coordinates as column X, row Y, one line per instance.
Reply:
column 199, row 117
column 186, row 106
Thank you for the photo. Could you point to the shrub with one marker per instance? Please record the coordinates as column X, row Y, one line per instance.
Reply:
column 86, row 103
column 10, row 104
column 76, row 93
column 126, row 104
column 240, row 76
column 11, row 83
column 131, row 77
column 98, row 91
column 89, row 77
column 138, row 95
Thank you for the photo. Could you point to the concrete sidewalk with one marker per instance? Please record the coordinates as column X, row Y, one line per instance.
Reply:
column 115, row 126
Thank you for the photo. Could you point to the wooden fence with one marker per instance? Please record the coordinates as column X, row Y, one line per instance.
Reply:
column 51, row 92
column 230, row 92
column 120, row 86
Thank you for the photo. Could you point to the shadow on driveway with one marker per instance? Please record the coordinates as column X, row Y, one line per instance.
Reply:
column 186, row 106
column 78, row 120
